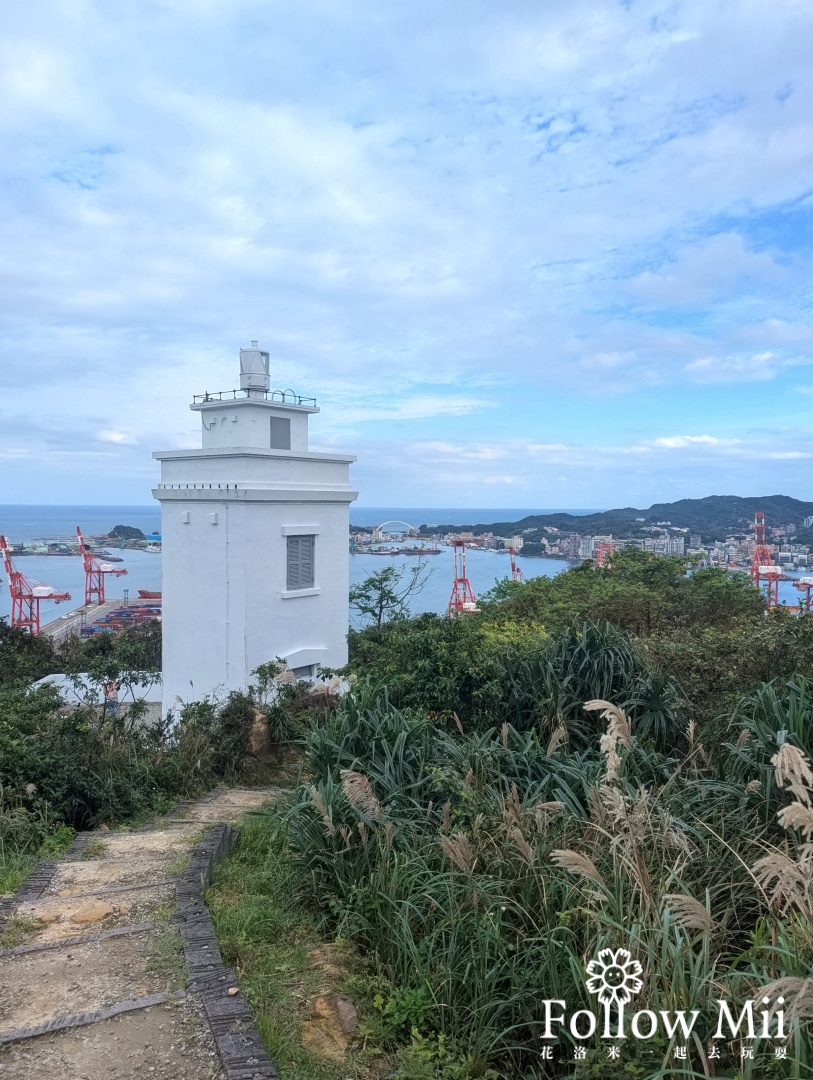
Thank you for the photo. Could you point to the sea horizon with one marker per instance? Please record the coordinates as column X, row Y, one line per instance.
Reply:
column 32, row 521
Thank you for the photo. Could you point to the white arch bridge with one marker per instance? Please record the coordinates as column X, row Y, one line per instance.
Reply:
column 411, row 530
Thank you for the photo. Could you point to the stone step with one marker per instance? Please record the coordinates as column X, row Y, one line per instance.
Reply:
column 110, row 890
column 155, row 842
column 164, row 1042
column 66, row 916
column 80, row 939
column 41, row 988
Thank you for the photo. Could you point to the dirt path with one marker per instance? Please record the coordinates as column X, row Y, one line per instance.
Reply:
column 98, row 989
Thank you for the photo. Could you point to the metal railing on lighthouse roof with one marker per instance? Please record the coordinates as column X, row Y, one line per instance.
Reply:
column 282, row 397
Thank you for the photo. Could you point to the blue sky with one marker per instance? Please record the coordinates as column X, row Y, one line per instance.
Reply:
column 523, row 254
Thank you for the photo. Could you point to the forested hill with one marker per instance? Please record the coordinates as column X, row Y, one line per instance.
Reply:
column 713, row 517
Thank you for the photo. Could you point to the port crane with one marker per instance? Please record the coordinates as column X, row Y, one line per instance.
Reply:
column 804, row 585
column 462, row 601
column 603, row 555
column 95, row 571
column 762, row 564
column 516, row 571
column 26, row 594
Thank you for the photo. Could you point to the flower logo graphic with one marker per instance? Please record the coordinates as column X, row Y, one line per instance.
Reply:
column 614, row 977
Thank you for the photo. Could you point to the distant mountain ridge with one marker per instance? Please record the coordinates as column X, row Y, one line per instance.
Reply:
column 714, row 517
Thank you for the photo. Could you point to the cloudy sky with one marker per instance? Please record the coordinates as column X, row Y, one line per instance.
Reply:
column 524, row 254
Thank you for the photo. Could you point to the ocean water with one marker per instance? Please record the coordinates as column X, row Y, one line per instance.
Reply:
column 34, row 522
column 65, row 573
column 144, row 568
column 483, row 568
column 20, row 523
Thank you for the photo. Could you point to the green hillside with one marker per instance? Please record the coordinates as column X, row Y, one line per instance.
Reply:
column 715, row 517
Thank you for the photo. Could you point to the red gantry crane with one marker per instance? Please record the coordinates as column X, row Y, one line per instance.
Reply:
column 516, row 571
column 804, row 585
column 462, row 601
column 95, row 571
column 762, row 564
column 603, row 555
column 26, row 595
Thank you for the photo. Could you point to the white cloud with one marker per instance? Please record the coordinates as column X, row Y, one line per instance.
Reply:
column 585, row 198
column 117, row 437
column 758, row 368
column 681, row 442
column 706, row 271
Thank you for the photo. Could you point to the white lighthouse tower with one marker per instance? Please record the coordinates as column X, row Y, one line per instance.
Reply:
column 255, row 552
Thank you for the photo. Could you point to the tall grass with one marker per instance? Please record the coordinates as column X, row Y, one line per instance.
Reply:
column 481, row 870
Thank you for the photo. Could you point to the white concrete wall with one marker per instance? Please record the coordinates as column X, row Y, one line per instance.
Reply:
column 226, row 607
column 246, row 423
column 262, row 467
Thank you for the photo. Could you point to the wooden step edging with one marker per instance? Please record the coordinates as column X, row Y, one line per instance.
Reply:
column 78, row 939
column 241, row 1050
column 65, row 1023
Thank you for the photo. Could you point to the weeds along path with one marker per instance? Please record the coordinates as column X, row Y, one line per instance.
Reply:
column 111, row 969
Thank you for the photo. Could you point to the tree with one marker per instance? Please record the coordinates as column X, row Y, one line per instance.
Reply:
column 385, row 595
column 24, row 657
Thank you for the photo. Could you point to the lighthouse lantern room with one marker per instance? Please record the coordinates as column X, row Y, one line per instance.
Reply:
column 255, row 559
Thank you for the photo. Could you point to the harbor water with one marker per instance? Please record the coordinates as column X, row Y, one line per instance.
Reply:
column 65, row 573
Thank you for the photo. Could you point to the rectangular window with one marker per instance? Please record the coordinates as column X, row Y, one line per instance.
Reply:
column 280, row 433
column 300, row 562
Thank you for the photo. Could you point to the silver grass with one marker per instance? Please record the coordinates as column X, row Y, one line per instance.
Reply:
column 785, row 881
column 317, row 800
column 797, row 816
column 577, row 863
column 362, row 828
column 458, row 848
column 558, row 738
column 688, row 912
column 617, row 724
column 360, row 794
column 792, row 771
column 522, row 845
column 798, row 995
column 742, row 738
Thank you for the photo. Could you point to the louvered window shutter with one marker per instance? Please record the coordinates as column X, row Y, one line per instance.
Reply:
column 300, row 562
column 306, row 562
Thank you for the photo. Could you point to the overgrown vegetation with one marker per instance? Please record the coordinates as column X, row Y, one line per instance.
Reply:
column 480, row 871
column 704, row 637
column 606, row 760
column 270, row 940
column 65, row 767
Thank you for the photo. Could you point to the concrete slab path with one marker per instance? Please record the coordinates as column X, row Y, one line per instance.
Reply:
column 98, row 989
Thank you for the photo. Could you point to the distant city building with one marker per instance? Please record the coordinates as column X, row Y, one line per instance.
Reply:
column 808, row 522
column 255, row 553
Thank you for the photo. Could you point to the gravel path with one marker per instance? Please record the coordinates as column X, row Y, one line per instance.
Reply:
column 97, row 991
